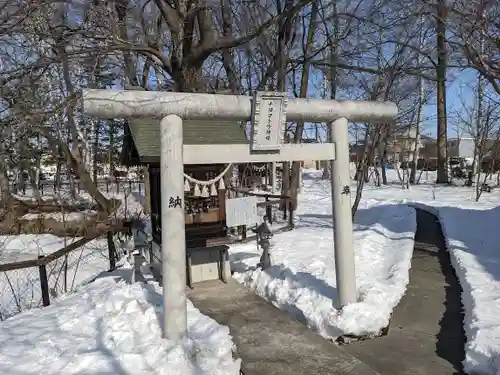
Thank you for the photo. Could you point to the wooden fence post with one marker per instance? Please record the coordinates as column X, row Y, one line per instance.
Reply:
column 150, row 251
column 242, row 229
column 290, row 217
column 44, row 282
column 269, row 211
column 111, row 251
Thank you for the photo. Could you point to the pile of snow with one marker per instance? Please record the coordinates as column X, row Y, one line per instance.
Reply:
column 131, row 206
column 111, row 327
column 61, row 216
column 302, row 280
column 132, row 202
column 472, row 238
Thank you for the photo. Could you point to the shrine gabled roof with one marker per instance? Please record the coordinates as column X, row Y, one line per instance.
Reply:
column 145, row 135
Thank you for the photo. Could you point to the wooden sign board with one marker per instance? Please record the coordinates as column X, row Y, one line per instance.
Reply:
column 241, row 211
column 268, row 120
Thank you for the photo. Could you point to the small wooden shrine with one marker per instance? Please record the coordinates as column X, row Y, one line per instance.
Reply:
column 204, row 185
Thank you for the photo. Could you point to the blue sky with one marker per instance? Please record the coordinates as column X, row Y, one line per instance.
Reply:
column 460, row 91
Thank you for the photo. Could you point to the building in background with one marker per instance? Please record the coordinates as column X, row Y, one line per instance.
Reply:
column 399, row 147
column 461, row 148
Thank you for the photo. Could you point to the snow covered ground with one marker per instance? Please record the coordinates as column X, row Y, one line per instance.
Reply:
column 108, row 326
column 112, row 327
column 302, row 280
column 20, row 289
column 472, row 232
column 113, row 313
column 472, row 235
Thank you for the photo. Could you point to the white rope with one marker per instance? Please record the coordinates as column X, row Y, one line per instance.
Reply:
column 209, row 182
column 258, row 169
column 205, row 192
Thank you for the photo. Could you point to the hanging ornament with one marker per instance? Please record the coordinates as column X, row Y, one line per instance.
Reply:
column 197, row 192
column 204, row 191
column 187, row 187
column 213, row 190
column 221, row 184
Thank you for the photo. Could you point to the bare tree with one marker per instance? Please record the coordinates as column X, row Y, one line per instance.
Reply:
column 304, row 85
column 442, row 53
column 481, row 122
column 475, row 29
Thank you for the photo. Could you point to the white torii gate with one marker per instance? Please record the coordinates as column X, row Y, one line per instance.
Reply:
column 268, row 112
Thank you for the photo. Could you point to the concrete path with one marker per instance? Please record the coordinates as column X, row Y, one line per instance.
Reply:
column 426, row 333
column 425, row 337
column 269, row 341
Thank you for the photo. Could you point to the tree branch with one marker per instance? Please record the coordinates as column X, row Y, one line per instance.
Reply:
column 201, row 51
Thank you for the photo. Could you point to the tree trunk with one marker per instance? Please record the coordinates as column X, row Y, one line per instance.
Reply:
column 284, row 35
column 333, row 41
column 382, row 153
column 74, row 159
column 304, row 84
column 4, row 179
column 420, row 115
column 481, row 132
column 361, row 172
column 442, row 172
column 95, row 150
column 416, row 146
column 57, row 177
column 227, row 54
column 383, row 161
column 111, row 136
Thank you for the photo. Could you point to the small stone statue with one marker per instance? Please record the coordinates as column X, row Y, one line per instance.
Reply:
column 264, row 236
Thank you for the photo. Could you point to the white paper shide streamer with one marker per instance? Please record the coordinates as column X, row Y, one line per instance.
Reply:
column 208, row 188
